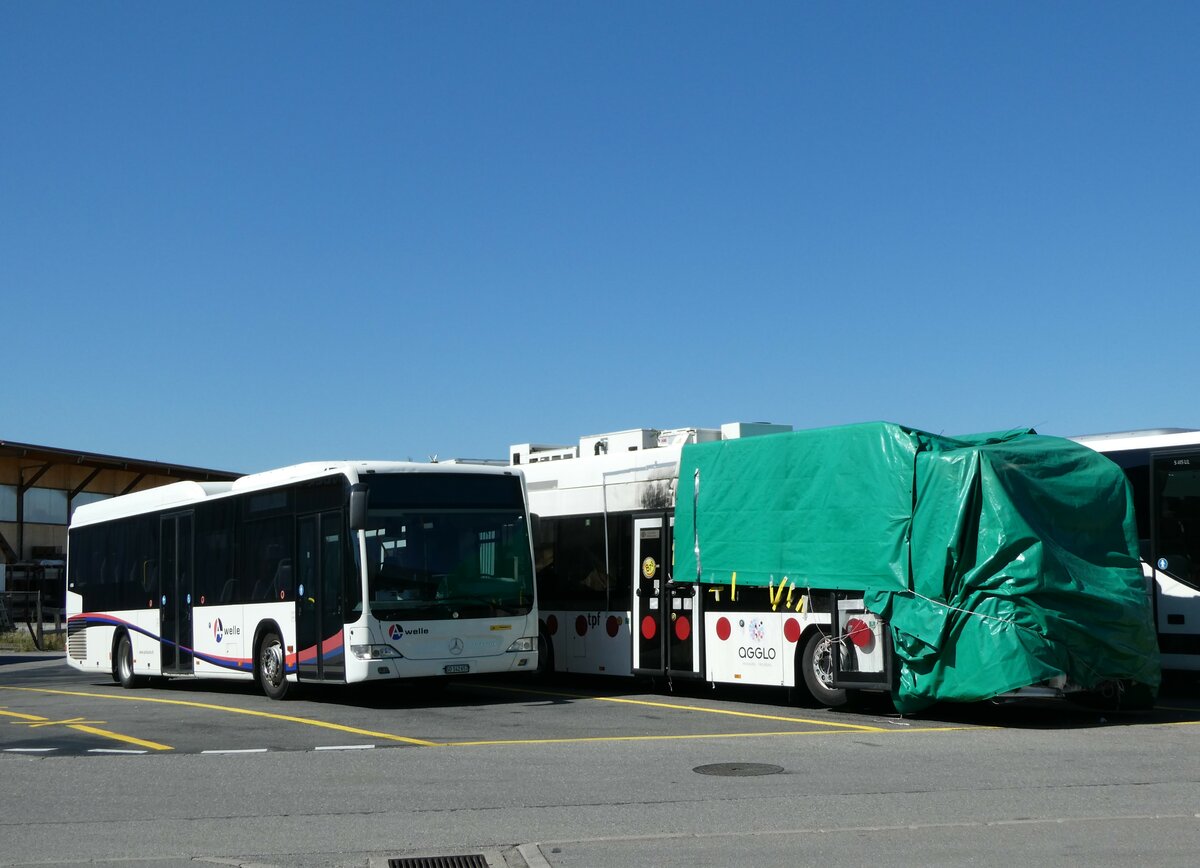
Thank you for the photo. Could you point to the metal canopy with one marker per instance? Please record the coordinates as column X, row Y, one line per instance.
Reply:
column 121, row 476
column 50, row 456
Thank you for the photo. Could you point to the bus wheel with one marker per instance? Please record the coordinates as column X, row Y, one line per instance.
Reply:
column 123, row 664
column 271, row 670
column 545, row 664
column 816, row 662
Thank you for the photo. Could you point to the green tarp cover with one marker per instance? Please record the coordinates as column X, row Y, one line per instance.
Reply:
column 998, row 560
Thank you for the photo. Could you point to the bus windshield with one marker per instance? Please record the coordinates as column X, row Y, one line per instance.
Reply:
column 447, row 546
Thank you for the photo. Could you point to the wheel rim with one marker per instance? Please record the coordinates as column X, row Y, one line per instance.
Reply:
column 823, row 661
column 271, row 661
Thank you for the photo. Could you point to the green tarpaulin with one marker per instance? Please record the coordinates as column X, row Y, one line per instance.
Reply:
column 998, row 560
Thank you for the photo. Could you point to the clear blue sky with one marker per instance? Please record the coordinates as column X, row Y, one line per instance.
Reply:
column 243, row 235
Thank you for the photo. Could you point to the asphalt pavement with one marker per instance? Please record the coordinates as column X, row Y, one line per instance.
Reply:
column 595, row 773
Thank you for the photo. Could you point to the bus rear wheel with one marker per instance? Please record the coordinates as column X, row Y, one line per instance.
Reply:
column 123, row 664
column 816, row 664
column 270, row 667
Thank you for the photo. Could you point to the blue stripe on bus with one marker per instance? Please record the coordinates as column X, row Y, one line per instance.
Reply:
column 238, row 665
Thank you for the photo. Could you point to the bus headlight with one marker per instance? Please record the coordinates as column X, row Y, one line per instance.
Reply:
column 525, row 644
column 374, row 652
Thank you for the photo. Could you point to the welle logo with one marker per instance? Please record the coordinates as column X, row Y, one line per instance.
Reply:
column 220, row 631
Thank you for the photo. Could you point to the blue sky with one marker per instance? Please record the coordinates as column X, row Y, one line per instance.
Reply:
column 239, row 236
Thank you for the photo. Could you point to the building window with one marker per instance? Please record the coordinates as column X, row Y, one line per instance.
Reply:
column 87, row 497
column 8, row 503
column 45, row 506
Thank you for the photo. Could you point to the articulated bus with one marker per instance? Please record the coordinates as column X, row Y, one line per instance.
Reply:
column 604, row 555
column 322, row 572
column 845, row 511
column 1163, row 468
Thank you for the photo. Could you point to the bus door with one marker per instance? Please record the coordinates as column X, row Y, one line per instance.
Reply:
column 666, row 616
column 319, row 641
column 1175, row 531
column 175, row 609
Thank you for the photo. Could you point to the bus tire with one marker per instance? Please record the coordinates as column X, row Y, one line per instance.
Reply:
column 123, row 664
column 270, row 666
column 816, row 666
column 545, row 649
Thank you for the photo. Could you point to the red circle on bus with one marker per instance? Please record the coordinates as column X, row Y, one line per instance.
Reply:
column 723, row 629
column 613, row 626
column 581, row 625
column 649, row 627
column 551, row 624
column 859, row 632
column 791, row 630
column 683, row 629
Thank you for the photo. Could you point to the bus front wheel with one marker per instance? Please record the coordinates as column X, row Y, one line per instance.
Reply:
column 545, row 664
column 816, row 664
column 270, row 667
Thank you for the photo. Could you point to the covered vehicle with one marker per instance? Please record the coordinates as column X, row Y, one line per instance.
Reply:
column 995, row 561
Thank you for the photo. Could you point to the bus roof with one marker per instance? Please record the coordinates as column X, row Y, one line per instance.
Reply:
column 619, row 471
column 185, row 493
column 1148, row 438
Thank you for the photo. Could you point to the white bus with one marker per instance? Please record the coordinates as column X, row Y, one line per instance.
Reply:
column 604, row 552
column 1163, row 468
column 322, row 572
column 613, row 603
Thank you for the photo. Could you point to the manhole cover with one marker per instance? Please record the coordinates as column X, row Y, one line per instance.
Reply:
column 738, row 770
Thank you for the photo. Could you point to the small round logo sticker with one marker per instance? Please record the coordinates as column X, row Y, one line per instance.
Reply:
column 649, row 568
column 1162, row 563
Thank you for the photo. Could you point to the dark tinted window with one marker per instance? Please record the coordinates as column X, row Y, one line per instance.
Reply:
column 1177, row 516
column 443, row 490
column 266, row 566
column 571, row 568
column 216, row 581
column 322, row 494
column 115, row 565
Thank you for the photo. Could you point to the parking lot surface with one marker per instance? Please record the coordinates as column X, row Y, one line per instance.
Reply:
column 602, row 772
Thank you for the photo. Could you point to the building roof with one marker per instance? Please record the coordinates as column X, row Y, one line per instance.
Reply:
column 26, row 465
column 51, row 455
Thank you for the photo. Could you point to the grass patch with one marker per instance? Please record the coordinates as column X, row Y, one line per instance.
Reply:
column 20, row 640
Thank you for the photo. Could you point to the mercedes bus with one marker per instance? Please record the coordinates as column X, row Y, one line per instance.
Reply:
column 337, row 572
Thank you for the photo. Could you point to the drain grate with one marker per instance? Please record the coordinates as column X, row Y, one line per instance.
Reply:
column 738, row 770
column 473, row 860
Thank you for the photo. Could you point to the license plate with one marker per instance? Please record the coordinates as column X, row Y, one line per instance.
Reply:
column 457, row 668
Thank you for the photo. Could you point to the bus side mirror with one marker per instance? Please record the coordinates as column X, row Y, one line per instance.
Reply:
column 358, row 506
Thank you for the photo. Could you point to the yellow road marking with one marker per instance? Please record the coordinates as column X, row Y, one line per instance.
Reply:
column 128, row 739
column 79, row 724
column 856, row 727
column 692, row 737
column 22, row 716
column 270, row 716
column 676, row 707
column 34, row 724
